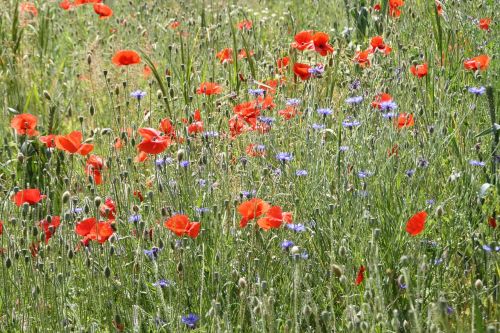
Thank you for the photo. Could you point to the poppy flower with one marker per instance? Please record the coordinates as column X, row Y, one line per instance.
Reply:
column 108, row 209
column 28, row 7
column 180, row 225
column 91, row 229
column 254, row 150
column 31, row 196
column 419, row 70
column 139, row 195
column 153, row 141
column 394, row 5
column 320, row 41
column 65, row 4
column 303, row 41
column 484, row 24
column 362, row 58
column 167, row 128
column 252, row 209
column 225, row 56
column 197, row 125
column 84, row 2
column 274, row 218
column 377, row 7
column 405, row 120
column 72, row 143
column 245, row 24
column 439, row 7
column 288, row 113
column 416, row 223
column 361, row 275
column 94, row 167
column 282, row 62
column 141, row 157
column 102, row 10
column 126, row 57
column 48, row 140
column 209, row 88
column 491, row 222
column 1, row 227
column 50, row 227
column 24, row 124
column 480, row 62
column 265, row 102
column 302, row 71
column 236, row 126
column 381, row 98
column 175, row 24
column 242, row 54
column 248, row 111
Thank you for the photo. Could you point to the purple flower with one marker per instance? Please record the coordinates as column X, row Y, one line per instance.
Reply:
column 138, row 94
column 355, row 85
column 202, row 182
column 153, row 253
column 477, row 163
column 259, row 148
column 284, row 157
column 134, row 218
column 190, row 320
column 287, row 244
column 266, row 120
column 163, row 161
column 256, row 92
column 430, row 202
column 296, row 227
column 318, row 126
column 248, row 194
column 354, row 100
column 301, row 173
column 388, row 106
column 477, row 90
column 410, row 172
column 344, row 148
column 348, row 123
column 389, row 115
column 423, row 163
column 184, row 164
column 316, row 71
column 324, row 112
column 210, row 134
column 202, row 210
column 163, row 283
column 292, row 102
column 364, row 174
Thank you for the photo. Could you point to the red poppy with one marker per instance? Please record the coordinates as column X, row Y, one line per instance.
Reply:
column 265, row 102
column 252, row 209
column 377, row 7
column 245, row 24
column 236, row 126
column 274, row 218
column 377, row 44
column 362, row 58
column 480, row 62
column 84, row 2
column 28, row 7
column 303, row 41
column 91, row 229
column 167, row 128
column 108, row 209
column 484, row 23
column 72, row 143
column 242, row 54
column 197, row 125
column 153, row 141
column 419, row 70
column 439, row 7
column 94, row 167
column 1, row 227
column 416, row 223
column 141, row 157
column 209, row 88
column 65, row 4
column 394, row 5
column 381, row 98
column 288, row 113
column 394, row 151
column 175, row 24
column 139, row 195
column 102, row 10
column 48, row 140
column 180, row 225
column 282, row 62
column 248, row 111
column 24, row 124
column 405, row 120
column 320, row 41
column 491, row 222
column 254, row 150
column 361, row 275
column 302, row 71
column 50, row 227
column 31, row 196
column 225, row 56
column 126, row 57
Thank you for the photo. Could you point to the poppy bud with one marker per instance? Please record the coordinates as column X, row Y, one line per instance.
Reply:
column 117, row 90
column 403, row 260
column 478, row 284
column 35, row 231
column 46, row 95
column 179, row 268
column 8, row 262
column 306, row 310
column 124, row 84
column 337, row 270
column 242, row 283
column 342, row 251
column 491, row 329
column 343, row 279
column 439, row 211
column 107, row 272
column 180, row 155
column 89, row 59
column 97, row 201
column 70, row 254
column 20, row 157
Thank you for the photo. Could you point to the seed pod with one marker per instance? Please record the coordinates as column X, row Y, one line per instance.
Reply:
column 107, row 272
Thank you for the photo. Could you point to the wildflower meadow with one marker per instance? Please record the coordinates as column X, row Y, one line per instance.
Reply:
column 249, row 166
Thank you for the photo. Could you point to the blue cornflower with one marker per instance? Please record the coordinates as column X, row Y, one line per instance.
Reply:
column 184, row 164
column 292, row 102
column 287, row 244
column 190, row 320
column 324, row 112
column 284, row 157
column 134, row 218
column 438, row 261
column 304, row 255
column 477, row 163
column 256, row 92
column 153, row 253
column 277, row 172
column 266, row 120
column 248, row 194
column 163, row 161
column 296, row 227
column 430, row 202
column 348, row 123
column 488, row 248
column 423, row 163
column 210, row 134
column 388, row 106
column 364, row 174
column 202, row 210
column 410, row 172
column 259, row 148
column 77, row 210
column 389, row 115
column 138, row 94
column 300, row 173
column 354, row 100
column 344, row 148
column 355, row 85
column 202, row 182
column 318, row 126
column 316, row 70
column 477, row 90
column 163, row 283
